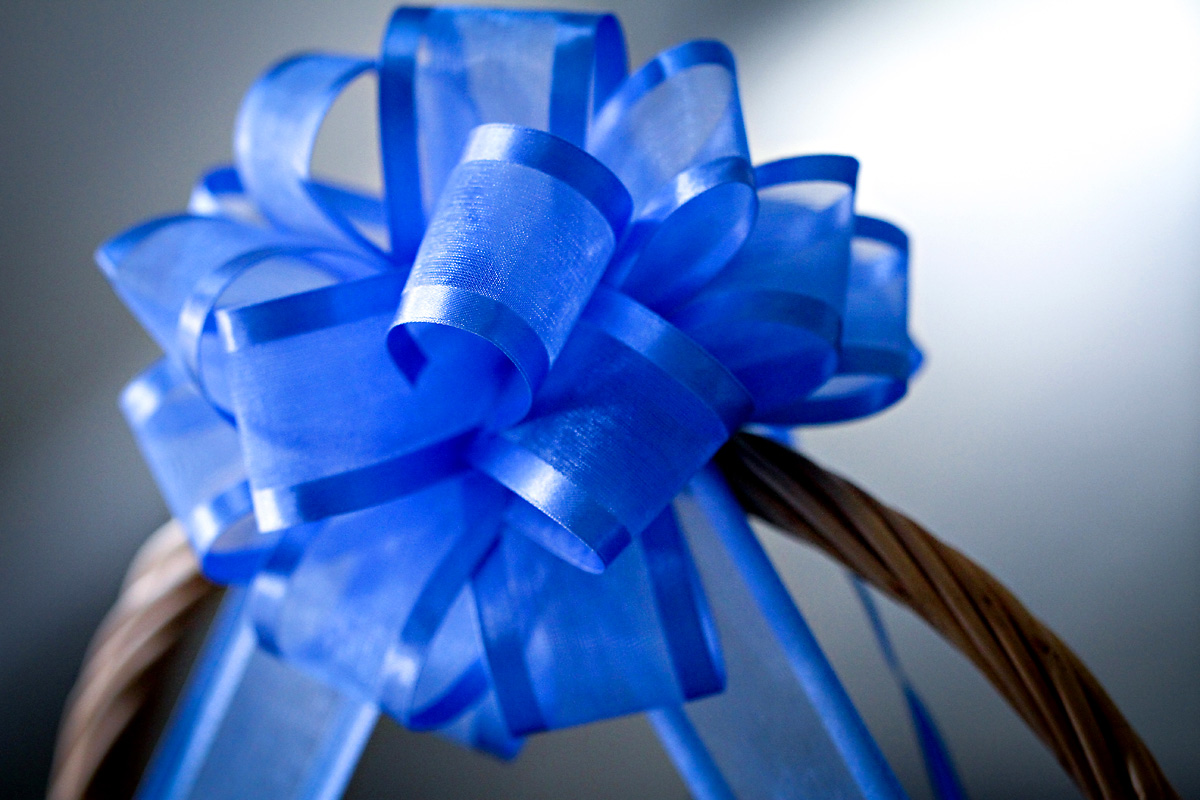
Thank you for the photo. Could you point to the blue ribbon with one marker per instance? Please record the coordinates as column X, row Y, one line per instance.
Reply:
column 437, row 434
column 943, row 777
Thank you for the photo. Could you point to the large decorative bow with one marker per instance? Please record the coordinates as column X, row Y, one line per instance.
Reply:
column 439, row 434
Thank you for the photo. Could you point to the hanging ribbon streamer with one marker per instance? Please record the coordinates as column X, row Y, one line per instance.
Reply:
column 437, row 435
column 943, row 777
column 784, row 726
column 939, row 767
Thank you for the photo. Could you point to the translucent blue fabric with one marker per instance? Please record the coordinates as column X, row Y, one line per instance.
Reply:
column 195, row 456
column 774, row 315
column 803, row 739
column 460, row 412
column 251, row 726
column 876, row 357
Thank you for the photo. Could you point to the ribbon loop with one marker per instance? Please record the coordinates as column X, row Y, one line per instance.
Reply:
column 219, row 193
column 195, row 456
column 877, row 357
column 276, row 132
column 674, row 135
column 523, row 232
column 773, row 315
column 446, row 71
column 360, row 600
column 173, row 272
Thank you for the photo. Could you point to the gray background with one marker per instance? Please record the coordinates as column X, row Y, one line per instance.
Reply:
column 1046, row 160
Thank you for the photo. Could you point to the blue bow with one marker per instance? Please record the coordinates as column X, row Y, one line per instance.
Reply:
column 439, row 434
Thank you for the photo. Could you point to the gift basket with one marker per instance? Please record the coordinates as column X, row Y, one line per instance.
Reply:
column 479, row 454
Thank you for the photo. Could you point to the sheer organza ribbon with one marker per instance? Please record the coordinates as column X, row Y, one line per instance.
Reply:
column 438, row 434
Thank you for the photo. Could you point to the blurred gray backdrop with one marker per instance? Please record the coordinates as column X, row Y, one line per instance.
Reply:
column 1045, row 158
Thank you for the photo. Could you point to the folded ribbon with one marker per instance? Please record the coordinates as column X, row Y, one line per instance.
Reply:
column 439, row 434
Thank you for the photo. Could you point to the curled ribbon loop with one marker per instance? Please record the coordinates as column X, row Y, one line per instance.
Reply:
column 277, row 130
column 444, row 72
column 438, row 434
column 522, row 234
column 773, row 315
column 692, row 184
column 196, row 458
column 877, row 358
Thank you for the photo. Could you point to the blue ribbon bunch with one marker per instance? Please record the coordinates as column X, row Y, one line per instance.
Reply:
column 438, row 435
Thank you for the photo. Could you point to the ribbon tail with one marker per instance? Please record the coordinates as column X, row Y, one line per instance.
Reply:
column 691, row 756
column 784, row 727
column 248, row 725
column 939, row 767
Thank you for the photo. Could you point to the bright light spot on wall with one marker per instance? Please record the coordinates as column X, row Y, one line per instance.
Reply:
column 1045, row 159
column 970, row 97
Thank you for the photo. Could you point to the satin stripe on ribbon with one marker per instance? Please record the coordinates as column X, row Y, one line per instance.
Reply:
column 657, row 71
column 266, row 603
column 852, row 399
column 156, row 266
column 464, row 693
column 597, row 505
column 215, row 186
column 523, row 311
column 398, row 132
column 557, row 158
column 660, row 343
column 219, row 193
column 291, row 626
column 298, row 314
column 409, row 653
column 483, row 317
column 691, row 632
column 505, row 648
column 832, row 168
column 596, row 536
column 210, row 519
column 774, row 314
column 764, row 305
column 877, row 357
column 226, row 538
column 881, row 231
column 700, row 218
column 112, row 254
column 194, row 456
column 196, row 316
column 591, row 46
column 527, row 601
column 870, row 361
column 147, row 394
column 282, row 507
column 694, row 198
